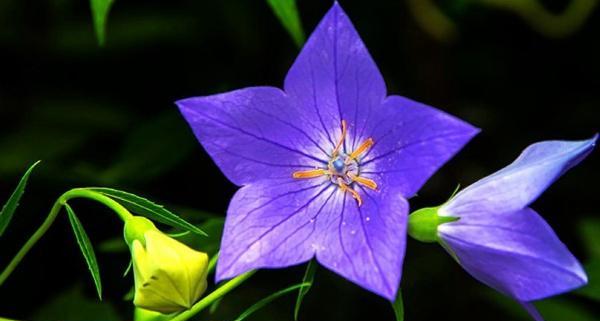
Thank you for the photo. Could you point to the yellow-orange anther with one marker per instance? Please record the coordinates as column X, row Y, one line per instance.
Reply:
column 362, row 148
column 339, row 144
column 310, row 173
column 345, row 188
column 364, row 181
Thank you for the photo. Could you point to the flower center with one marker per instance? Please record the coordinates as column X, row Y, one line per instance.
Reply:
column 343, row 169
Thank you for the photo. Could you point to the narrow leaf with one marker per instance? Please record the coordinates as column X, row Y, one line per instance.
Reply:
column 398, row 306
column 13, row 201
column 142, row 206
column 309, row 276
column 215, row 305
column 86, row 248
column 287, row 13
column 100, row 10
column 260, row 304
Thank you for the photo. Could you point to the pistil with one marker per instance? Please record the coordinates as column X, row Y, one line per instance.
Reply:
column 343, row 169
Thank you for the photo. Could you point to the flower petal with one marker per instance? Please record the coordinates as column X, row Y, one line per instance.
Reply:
column 412, row 141
column 520, row 183
column 334, row 78
column 281, row 223
column 366, row 244
column 271, row 223
column 252, row 133
column 515, row 253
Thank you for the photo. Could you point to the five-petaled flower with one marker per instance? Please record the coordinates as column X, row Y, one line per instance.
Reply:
column 498, row 239
column 326, row 164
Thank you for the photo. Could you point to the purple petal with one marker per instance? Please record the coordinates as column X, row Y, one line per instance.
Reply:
column 252, row 134
column 520, row 183
column 334, row 78
column 515, row 253
column 272, row 223
column 366, row 244
column 412, row 141
column 278, row 223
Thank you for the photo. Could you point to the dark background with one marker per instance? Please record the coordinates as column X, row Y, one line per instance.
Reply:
column 105, row 116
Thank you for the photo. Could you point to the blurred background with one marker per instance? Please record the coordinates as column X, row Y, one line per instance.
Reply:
column 522, row 70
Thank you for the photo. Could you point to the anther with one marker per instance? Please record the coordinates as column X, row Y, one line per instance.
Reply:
column 310, row 173
column 345, row 188
column 361, row 149
column 363, row 181
column 336, row 150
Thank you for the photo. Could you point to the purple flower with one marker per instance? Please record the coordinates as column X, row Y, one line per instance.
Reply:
column 325, row 165
column 505, row 244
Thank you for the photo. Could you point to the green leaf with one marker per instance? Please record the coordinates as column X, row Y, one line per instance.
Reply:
column 13, row 201
column 86, row 248
column 100, row 10
column 210, row 244
column 589, row 229
column 309, row 276
column 215, row 305
column 398, row 306
column 142, row 206
column 287, row 13
column 260, row 304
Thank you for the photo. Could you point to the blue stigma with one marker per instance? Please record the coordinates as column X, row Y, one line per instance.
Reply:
column 338, row 165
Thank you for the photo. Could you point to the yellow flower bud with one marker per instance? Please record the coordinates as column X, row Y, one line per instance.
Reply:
column 169, row 276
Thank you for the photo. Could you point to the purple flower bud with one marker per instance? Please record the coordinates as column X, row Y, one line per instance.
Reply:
column 505, row 244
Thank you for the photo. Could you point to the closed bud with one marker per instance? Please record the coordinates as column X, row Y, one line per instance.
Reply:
column 169, row 276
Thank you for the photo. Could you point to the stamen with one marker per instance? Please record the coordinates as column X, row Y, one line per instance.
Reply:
column 310, row 173
column 362, row 148
column 345, row 188
column 336, row 150
column 364, row 181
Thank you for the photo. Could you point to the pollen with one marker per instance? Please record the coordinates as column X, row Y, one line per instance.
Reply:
column 343, row 169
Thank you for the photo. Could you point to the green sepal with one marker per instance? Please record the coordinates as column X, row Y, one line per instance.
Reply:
column 135, row 228
column 398, row 306
column 423, row 224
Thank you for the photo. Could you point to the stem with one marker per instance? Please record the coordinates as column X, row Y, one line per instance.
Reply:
column 213, row 296
column 71, row 194
column 213, row 262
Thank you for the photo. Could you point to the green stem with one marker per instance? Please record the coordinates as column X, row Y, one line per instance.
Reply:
column 62, row 200
column 213, row 296
column 213, row 262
